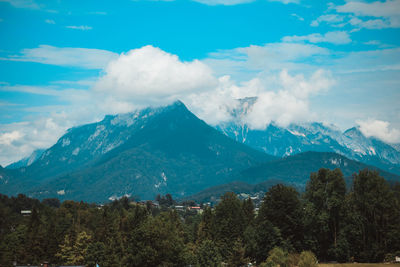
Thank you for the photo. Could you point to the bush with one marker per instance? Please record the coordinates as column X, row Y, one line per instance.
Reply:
column 277, row 257
column 293, row 260
column 308, row 259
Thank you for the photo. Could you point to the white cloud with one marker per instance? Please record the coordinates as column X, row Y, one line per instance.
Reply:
column 18, row 140
column 386, row 8
column 81, row 27
column 102, row 13
column 297, row 16
column 149, row 74
column 237, row 2
column 66, row 56
column 370, row 24
column 286, row 1
column 271, row 56
column 336, row 37
column 386, row 12
column 373, row 42
column 379, row 129
column 50, row 21
column 223, row 2
column 329, row 18
column 290, row 103
column 282, row 99
column 30, row 4
column 9, row 137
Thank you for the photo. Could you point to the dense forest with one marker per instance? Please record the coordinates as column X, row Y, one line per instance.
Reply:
column 335, row 223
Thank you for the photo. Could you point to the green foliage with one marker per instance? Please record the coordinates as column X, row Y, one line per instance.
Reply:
column 237, row 257
column 282, row 207
column 267, row 237
column 208, row 254
column 277, row 258
column 308, row 259
column 362, row 224
column 325, row 193
column 229, row 223
column 74, row 250
column 293, row 259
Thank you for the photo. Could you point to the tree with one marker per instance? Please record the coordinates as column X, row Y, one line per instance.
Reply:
column 208, row 255
column 206, row 226
column 229, row 223
column 282, row 207
column 377, row 217
column 326, row 192
column 157, row 241
column 267, row 237
column 237, row 257
column 75, row 252
column 248, row 211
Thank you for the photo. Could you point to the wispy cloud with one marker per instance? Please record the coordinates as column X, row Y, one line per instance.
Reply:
column 30, row 4
column 50, row 21
column 297, row 16
column 333, row 19
column 386, row 13
column 286, row 1
column 66, row 56
column 336, row 37
column 223, row 2
column 81, row 27
column 103, row 13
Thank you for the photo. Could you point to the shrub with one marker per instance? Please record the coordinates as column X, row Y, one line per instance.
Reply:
column 293, row 260
column 277, row 257
column 308, row 259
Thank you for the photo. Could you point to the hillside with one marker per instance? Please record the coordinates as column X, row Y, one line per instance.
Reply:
column 293, row 170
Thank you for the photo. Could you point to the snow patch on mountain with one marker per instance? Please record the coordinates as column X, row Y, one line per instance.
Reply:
column 65, row 142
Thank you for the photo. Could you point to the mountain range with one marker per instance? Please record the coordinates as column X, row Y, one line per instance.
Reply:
column 169, row 150
column 296, row 138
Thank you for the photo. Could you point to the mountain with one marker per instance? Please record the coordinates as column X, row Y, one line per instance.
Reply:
column 297, row 138
column 144, row 153
column 25, row 162
column 292, row 170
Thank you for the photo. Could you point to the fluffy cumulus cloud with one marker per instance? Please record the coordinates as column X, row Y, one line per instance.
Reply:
column 66, row 56
column 336, row 37
column 379, row 129
column 291, row 102
column 282, row 99
column 151, row 75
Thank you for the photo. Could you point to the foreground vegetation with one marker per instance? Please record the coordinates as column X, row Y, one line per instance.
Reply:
column 360, row 224
column 357, row 265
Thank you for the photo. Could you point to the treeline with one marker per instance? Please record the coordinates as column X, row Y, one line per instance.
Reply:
column 360, row 224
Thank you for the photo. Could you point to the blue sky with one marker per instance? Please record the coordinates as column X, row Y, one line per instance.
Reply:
column 64, row 63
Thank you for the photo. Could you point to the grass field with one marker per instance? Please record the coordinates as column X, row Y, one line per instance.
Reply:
column 358, row 265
